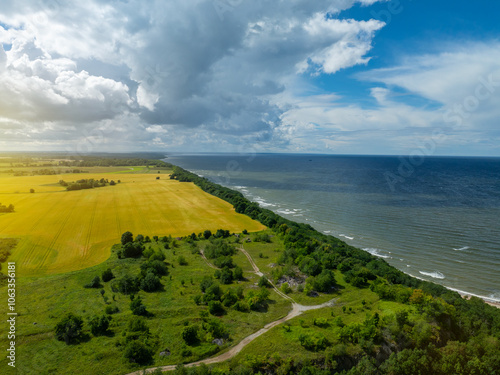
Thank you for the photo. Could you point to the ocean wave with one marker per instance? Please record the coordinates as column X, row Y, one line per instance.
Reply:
column 327, row 231
column 462, row 248
column 435, row 275
column 376, row 252
column 348, row 237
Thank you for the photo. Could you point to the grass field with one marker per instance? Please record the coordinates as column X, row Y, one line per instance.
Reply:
column 63, row 231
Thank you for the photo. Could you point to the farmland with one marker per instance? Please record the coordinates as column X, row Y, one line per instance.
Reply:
column 61, row 231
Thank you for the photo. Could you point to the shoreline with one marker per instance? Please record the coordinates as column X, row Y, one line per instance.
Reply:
column 462, row 293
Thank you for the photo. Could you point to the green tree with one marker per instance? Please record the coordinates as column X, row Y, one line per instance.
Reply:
column 137, row 307
column 99, row 325
column 151, row 283
column 207, row 234
column 237, row 273
column 215, row 308
column 127, row 237
column 138, row 352
column 107, row 275
column 95, row 283
column 190, row 334
column 69, row 329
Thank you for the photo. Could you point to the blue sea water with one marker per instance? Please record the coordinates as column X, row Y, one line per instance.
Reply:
column 435, row 218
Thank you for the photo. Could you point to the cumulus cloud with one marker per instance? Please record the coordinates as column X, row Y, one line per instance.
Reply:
column 202, row 65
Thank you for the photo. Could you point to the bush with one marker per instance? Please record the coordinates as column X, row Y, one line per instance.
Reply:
column 127, row 237
column 138, row 352
column 182, row 261
column 132, row 250
column 139, row 238
column 99, row 325
column 151, row 283
column 226, row 276
column 126, row 285
column 95, row 283
column 111, row 309
column 157, row 267
column 190, row 335
column 137, row 307
column 285, row 288
column 107, row 275
column 237, row 273
column 242, row 306
column 69, row 329
column 215, row 308
column 264, row 282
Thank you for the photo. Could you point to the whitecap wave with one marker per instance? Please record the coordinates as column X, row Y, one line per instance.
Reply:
column 462, row 248
column 327, row 231
column 435, row 275
column 345, row 236
column 376, row 252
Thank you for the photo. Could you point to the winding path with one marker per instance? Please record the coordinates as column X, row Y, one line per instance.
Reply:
column 297, row 309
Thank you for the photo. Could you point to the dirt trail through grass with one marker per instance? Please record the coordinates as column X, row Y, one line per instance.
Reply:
column 297, row 309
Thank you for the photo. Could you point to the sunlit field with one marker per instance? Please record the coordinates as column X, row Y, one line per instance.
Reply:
column 63, row 231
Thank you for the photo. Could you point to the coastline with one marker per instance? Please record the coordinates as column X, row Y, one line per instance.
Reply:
column 464, row 294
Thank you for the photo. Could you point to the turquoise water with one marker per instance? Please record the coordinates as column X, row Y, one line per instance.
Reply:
column 436, row 219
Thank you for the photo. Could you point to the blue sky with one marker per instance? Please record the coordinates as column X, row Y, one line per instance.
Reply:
column 337, row 76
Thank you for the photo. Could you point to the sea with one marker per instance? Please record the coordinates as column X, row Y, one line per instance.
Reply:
column 435, row 218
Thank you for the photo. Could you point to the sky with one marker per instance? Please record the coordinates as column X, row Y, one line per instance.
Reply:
column 400, row 77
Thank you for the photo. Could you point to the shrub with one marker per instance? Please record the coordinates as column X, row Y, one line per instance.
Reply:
column 226, row 276
column 151, row 283
column 99, row 325
column 126, row 285
column 215, row 308
column 138, row 352
column 132, row 250
column 111, row 309
column 137, row 307
column 107, row 275
column 264, row 282
column 127, row 237
column 182, row 261
column 69, row 329
column 237, row 273
column 95, row 283
column 190, row 334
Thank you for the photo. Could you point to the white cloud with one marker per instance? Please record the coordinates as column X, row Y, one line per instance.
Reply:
column 182, row 64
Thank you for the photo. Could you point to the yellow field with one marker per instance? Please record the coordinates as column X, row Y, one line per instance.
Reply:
column 62, row 231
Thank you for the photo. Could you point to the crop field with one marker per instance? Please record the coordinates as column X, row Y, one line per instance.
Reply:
column 61, row 231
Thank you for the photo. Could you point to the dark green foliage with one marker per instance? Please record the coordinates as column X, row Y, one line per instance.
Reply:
column 111, row 309
column 325, row 281
column 156, row 267
column 132, row 250
column 99, row 325
column 226, row 276
column 221, row 233
column 95, row 283
column 237, row 273
column 127, row 237
column 69, row 329
column 107, row 275
column 205, row 283
column 213, row 293
column 137, row 307
column 182, row 261
column 229, row 298
column 126, row 284
column 139, row 238
column 315, row 342
column 224, row 262
column 138, row 352
column 207, row 234
column 190, row 335
column 151, row 283
column 215, row 308
column 310, row 266
column 264, row 282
